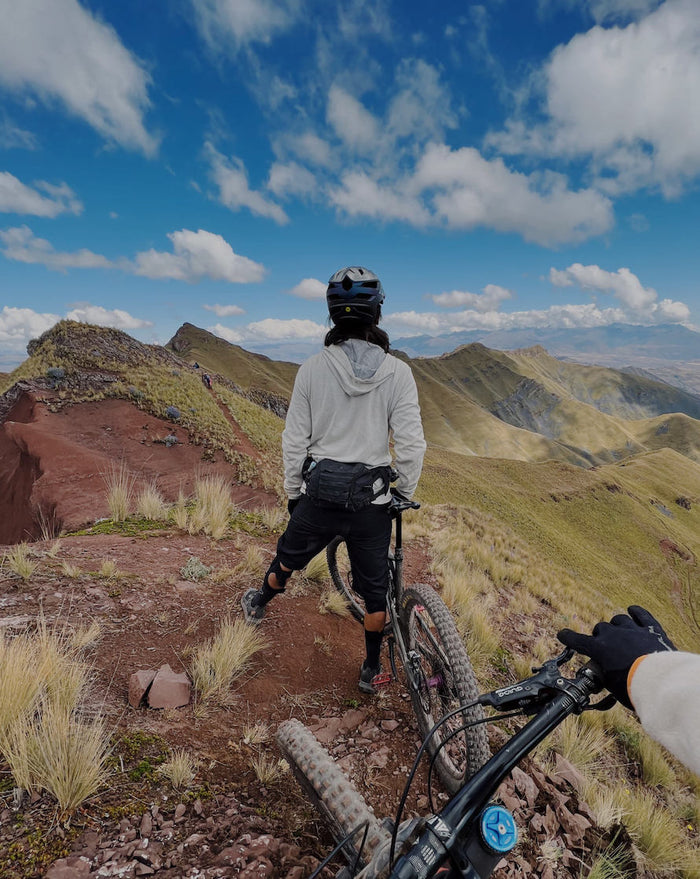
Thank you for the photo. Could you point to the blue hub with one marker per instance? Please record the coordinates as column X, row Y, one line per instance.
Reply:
column 498, row 830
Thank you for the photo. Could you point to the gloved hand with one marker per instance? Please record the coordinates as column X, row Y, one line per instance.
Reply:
column 614, row 646
column 291, row 503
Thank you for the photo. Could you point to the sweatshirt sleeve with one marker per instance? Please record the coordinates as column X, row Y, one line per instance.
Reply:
column 407, row 428
column 665, row 691
column 296, row 435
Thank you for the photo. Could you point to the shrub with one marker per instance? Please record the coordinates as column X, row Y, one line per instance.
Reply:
column 173, row 413
column 194, row 569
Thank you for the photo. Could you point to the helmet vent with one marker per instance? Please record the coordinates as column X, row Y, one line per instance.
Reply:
column 347, row 283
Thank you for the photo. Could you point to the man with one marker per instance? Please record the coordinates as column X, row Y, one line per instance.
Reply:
column 347, row 402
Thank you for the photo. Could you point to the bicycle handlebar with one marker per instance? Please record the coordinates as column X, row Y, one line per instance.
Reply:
column 447, row 835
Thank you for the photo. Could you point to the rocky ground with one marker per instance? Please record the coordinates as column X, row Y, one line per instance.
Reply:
column 229, row 822
column 234, row 819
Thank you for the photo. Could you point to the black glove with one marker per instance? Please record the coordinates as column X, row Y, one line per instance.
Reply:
column 614, row 646
column 291, row 503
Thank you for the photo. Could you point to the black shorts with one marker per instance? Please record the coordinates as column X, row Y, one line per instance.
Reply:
column 367, row 535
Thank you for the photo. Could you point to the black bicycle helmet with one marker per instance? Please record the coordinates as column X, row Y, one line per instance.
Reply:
column 354, row 293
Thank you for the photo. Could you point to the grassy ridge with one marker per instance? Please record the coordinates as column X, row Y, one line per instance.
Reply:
column 598, row 528
column 243, row 367
column 546, row 409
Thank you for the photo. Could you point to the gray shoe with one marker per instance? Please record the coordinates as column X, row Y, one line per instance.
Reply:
column 367, row 676
column 253, row 614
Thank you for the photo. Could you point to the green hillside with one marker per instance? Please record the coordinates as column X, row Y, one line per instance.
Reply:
column 246, row 369
column 625, row 395
column 601, row 538
column 529, row 406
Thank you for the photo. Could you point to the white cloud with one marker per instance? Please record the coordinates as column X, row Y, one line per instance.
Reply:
column 273, row 329
column 226, row 333
column 198, row 255
column 469, row 191
column 489, row 300
column 603, row 11
column 105, row 317
column 352, row 122
column 14, row 137
column 309, row 288
column 563, row 316
column 55, row 50
column 624, row 98
column 222, row 22
column 195, row 255
column 224, row 310
column 310, row 148
column 361, row 196
column 18, row 198
column 612, row 10
column 421, row 107
column 639, row 302
column 291, row 179
column 234, row 192
column 19, row 325
column 20, row 244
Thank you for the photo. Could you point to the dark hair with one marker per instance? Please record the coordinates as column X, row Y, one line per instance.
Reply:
column 355, row 329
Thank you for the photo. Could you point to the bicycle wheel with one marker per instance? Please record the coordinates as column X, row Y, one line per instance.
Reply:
column 341, row 575
column 331, row 792
column 444, row 680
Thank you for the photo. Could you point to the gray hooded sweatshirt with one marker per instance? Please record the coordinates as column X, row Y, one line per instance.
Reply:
column 346, row 402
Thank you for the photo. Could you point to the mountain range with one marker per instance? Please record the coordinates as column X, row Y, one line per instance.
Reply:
column 524, row 404
column 669, row 352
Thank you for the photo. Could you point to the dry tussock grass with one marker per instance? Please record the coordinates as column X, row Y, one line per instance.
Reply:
column 251, row 564
column 180, row 769
column 19, row 560
column 120, row 483
column 46, row 745
column 317, row 569
column 268, row 770
column 331, row 601
column 151, row 505
column 216, row 664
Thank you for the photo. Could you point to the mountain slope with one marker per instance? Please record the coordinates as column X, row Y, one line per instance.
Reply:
column 607, row 536
column 246, row 369
column 569, row 412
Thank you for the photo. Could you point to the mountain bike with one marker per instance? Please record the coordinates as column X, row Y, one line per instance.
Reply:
column 472, row 833
column 439, row 675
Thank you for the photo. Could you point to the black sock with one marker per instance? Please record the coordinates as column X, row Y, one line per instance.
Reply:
column 373, row 645
column 264, row 594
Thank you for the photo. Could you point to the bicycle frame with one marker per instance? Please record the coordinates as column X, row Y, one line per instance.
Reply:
column 395, row 596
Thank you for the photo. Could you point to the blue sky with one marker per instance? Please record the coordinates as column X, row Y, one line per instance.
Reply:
column 503, row 164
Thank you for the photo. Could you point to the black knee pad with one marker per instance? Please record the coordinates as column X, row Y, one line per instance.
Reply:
column 279, row 572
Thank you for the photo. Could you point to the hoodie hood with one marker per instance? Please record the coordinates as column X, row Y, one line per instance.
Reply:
column 359, row 366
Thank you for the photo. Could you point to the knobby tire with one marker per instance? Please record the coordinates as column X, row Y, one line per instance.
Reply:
column 331, row 792
column 446, row 680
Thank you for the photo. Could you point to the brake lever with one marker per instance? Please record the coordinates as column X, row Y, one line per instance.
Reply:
column 528, row 695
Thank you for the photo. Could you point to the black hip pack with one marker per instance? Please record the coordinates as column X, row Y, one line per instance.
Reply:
column 344, row 486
